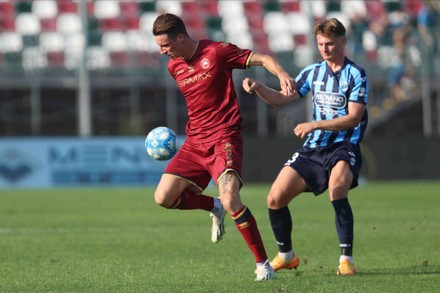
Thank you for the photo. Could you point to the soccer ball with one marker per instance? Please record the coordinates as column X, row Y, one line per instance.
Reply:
column 161, row 143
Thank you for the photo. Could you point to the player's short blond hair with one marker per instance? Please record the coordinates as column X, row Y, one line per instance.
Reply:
column 331, row 27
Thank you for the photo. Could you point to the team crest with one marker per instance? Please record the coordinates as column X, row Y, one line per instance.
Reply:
column 344, row 86
column 205, row 63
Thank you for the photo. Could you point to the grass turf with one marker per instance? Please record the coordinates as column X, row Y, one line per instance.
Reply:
column 118, row 240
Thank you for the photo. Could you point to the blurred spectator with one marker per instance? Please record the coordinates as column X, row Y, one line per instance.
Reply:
column 428, row 22
column 358, row 25
column 402, row 63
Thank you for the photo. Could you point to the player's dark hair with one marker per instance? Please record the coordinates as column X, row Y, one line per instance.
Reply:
column 329, row 28
column 169, row 24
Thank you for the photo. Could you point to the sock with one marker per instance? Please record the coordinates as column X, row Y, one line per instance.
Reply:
column 191, row 201
column 344, row 225
column 281, row 222
column 344, row 257
column 247, row 226
column 286, row 255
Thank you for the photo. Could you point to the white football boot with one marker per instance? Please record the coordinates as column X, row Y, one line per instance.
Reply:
column 264, row 272
column 217, row 215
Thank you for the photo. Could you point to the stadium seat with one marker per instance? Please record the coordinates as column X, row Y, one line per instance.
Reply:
column 27, row 24
column 281, row 42
column 53, row 45
column 261, row 43
column 166, row 6
column 209, row 8
column 271, row 6
column 97, row 57
column 302, row 55
column 7, row 16
column 69, row 23
column 230, row 8
column 290, row 6
column 45, row 8
column 354, row 7
column 67, row 6
column 104, row 9
column 137, row 41
column 275, row 23
column 129, row 9
column 299, row 23
column 233, row 25
column 242, row 39
column 146, row 21
column 48, row 24
column 74, row 48
column 7, row 8
column 10, row 42
column 115, row 42
column 33, row 58
column 7, row 22
column 23, row 7
column 315, row 9
column 110, row 24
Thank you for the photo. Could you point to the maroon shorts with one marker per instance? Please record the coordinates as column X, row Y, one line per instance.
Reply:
column 198, row 162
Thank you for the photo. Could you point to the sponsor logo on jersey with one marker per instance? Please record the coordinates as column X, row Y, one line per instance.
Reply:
column 332, row 100
column 194, row 79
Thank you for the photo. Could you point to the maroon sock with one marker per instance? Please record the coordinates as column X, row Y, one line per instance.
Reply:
column 246, row 224
column 191, row 201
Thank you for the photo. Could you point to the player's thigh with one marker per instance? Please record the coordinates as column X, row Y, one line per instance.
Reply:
column 169, row 189
column 340, row 180
column 286, row 186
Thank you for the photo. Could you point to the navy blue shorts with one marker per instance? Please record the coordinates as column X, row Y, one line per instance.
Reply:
column 315, row 165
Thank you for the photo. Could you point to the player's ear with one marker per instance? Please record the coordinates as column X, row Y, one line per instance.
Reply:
column 344, row 40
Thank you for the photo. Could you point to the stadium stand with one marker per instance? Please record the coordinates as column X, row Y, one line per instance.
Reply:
column 116, row 35
column 270, row 26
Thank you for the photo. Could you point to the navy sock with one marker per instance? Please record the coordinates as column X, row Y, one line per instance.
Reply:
column 281, row 222
column 344, row 225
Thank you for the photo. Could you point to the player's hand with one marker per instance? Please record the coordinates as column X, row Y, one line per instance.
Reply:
column 287, row 84
column 249, row 85
column 303, row 129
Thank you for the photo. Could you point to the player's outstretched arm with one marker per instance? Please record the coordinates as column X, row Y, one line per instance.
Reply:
column 267, row 94
column 258, row 59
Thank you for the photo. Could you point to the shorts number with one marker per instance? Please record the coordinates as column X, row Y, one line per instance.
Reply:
column 293, row 159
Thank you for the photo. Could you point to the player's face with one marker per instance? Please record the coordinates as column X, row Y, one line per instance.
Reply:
column 169, row 46
column 331, row 48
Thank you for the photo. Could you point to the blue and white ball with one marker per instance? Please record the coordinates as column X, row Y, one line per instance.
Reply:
column 161, row 143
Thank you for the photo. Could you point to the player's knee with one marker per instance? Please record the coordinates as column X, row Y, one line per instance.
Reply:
column 163, row 200
column 231, row 203
column 274, row 202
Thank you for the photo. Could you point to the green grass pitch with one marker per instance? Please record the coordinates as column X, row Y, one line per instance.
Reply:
column 118, row 240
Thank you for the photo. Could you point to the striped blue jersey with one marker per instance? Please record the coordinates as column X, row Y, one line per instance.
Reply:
column 331, row 92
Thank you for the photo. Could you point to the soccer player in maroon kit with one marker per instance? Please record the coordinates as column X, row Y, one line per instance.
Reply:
column 213, row 147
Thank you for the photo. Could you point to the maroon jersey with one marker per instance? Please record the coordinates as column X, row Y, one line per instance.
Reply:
column 206, row 82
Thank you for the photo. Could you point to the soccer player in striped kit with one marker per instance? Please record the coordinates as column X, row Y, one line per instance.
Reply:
column 213, row 146
column 330, row 157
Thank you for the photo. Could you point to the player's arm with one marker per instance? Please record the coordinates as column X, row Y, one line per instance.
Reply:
column 258, row 59
column 349, row 121
column 269, row 95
